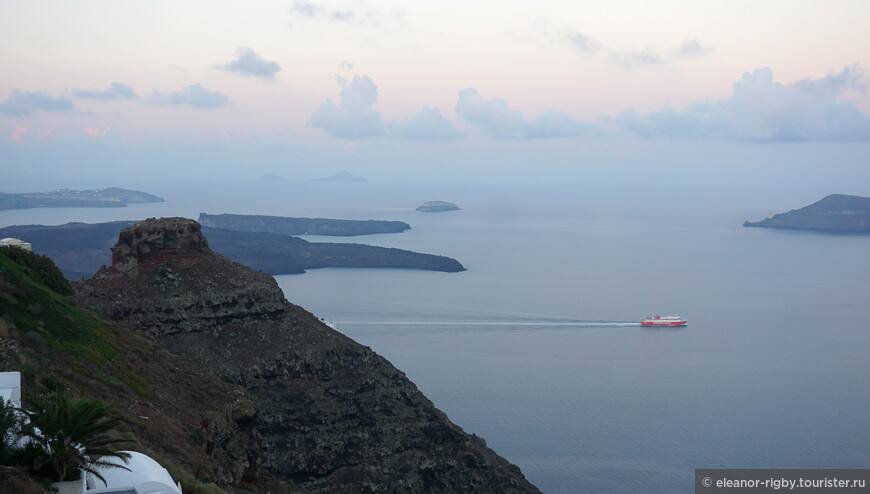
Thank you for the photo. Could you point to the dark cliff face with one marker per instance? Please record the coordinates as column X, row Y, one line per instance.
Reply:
column 155, row 242
column 332, row 416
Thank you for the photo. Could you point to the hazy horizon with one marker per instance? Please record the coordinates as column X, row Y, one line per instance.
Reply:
column 715, row 94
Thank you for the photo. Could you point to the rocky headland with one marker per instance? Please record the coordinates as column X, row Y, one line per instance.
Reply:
column 79, row 249
column 300, row 226
column 836, row 213
column 112, row 197
column 329, row 415
column 437, row 207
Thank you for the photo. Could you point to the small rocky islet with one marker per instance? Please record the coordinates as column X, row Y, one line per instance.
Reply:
column 437, row 207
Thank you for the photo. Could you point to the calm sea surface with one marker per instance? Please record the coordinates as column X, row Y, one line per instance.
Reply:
column 537, row 348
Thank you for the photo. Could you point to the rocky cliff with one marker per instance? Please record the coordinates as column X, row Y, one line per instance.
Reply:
column 330, row 414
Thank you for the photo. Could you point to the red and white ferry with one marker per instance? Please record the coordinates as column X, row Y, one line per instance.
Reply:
column 663, row 321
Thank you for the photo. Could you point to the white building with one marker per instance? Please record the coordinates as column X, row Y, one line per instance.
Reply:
column 10, row 388
column 14, row 242
column 145, row 476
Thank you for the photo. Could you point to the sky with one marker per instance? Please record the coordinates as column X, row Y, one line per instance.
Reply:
column 729, row 92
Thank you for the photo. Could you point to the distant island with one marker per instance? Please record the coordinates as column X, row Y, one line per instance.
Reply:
column 79, row 249
column 836, row 213
column 300, row 226
column 342, row 176
column 437, row 207
column 112, row 197
column 268, row 177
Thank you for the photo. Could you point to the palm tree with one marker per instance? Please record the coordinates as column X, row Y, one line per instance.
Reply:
column 10, row 425
column 68, row 435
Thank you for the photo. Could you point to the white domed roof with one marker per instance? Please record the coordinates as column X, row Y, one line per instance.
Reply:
column 143, row 470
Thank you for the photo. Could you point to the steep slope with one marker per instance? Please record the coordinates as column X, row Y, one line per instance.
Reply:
column 332, row 415
column 836, row 213
column 192, row 422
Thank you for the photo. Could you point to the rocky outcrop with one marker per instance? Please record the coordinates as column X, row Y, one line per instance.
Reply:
column 153, row 242
column 437, row 207
column 330, row 414
column 836, row 213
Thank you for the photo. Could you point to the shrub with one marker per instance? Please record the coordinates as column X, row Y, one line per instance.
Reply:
column 40, row 268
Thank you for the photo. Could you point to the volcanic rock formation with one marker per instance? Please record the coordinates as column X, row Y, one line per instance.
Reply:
column 332, row 415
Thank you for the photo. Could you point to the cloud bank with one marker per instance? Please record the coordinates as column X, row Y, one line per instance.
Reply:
column 495, row 118
column 426, row 125
column 548, row 34
column 250, row 63
column 115, row 91
column 688, row 49
column 195, row 96
column 354, row 117
column 320, row 12
column 25, row 103
column 762, row 110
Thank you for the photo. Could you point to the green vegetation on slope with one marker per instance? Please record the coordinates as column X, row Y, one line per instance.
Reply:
column 37, row 301
column 187, row 420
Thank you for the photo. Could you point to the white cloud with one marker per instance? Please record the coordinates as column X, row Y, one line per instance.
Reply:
column 496, row 119
column 582, row 43
column 762, row 110
column 25, row 103
column 354, row 117
column 250, row 63
column 18, row 134
column 649, row 57
column 194, row 95
column 116, row 90
column 690, row 48
column 97, row 132
column 548, row 34
column 426, row 125
column 320, row 12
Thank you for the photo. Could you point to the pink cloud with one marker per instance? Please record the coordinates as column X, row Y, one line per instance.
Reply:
column 17, row 135
column 97, row 132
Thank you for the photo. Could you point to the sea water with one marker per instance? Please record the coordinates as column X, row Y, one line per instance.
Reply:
column 537, row 346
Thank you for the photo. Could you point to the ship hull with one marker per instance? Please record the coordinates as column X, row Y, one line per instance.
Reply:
column 663, row 321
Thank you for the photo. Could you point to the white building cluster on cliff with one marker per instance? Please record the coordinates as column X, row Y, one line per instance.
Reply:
column 14, row 242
